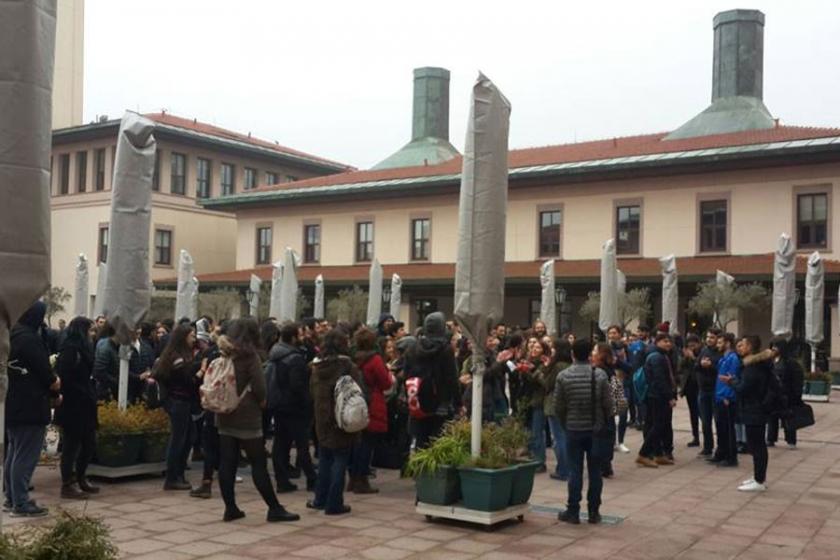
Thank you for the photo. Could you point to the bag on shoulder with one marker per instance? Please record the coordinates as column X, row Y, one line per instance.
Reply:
column 618, row 395
column 802, row 416
column 640, row 385
column 218, row 392
column 153, row 394
column 351, row 410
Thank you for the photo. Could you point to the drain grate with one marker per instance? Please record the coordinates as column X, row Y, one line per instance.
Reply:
column 605, row 519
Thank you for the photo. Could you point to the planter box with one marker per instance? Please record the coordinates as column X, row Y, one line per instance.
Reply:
column 441, row 488
column 817, row 388
column 486, row 489
column 119, row 450
column 523, row 482
column 154, row 447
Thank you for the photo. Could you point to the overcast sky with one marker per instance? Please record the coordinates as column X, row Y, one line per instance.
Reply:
column 335, row 78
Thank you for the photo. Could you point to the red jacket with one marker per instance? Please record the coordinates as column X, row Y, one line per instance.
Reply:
column 378, row 380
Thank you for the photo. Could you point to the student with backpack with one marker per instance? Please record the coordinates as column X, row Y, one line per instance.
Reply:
column 661, row 393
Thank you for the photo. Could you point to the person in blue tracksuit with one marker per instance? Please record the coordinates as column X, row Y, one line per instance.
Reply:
column 726, row 454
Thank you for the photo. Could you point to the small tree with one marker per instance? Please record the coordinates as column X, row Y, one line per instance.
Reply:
column 722, row 303
column 635, row 304
column 303, row 303
column 219, row 303
column 55, row 297
column 350, row 305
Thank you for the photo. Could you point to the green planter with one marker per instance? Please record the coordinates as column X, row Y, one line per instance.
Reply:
column 441, row 488
column 835, row 378
column 118, row 450
column 523, row 482
column 817, row 388
column 154, row 447
column 486, row 489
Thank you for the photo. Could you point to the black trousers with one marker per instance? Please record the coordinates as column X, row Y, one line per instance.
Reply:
column 758, row 449
column 288, row 431
column 727, row 446
column 254, row 449
column 773, row 431
column 659, row 431
column 77, row 450
column 210, row 446
column 691, row 397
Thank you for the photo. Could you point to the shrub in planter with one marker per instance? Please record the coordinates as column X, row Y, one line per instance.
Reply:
column 123, row 434
column 818, row 383
column 70, row 537
column 434, row 468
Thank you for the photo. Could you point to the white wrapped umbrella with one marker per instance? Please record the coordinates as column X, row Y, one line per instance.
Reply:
column 784, row 287
column 80, row 294
column 101, row 281
column 608, row 311
column 482, row 209
column 374, row 308
column 814, row 304
column 548, row 305
column 722, row 280
column 254, row 288
column 275, row 308
column 620, row 282
column 127, row 295
column 27, row 51
column 670, row 292
column 289, row 286
column 318, row 304
column 186, row 297
column 396, row 296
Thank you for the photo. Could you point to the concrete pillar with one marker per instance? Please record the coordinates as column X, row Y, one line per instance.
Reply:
column 739, row 54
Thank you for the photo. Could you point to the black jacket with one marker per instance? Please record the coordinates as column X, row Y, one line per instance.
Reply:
column 288, row 385
column 751, row 388
column 106, row 369
column 660, row 376
column 432, row 360
column 30, row 374
column 707, row 377
column 77, row 413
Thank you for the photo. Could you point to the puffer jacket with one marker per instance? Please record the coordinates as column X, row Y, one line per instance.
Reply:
column 378, row 380
column 751, row 388
column 573, row 398
column 659, row 372
column 325, row 374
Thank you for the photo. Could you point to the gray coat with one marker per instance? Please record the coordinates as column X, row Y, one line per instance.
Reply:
column 573, row 398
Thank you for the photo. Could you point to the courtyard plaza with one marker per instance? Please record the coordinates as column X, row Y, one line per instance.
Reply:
column 690, row 511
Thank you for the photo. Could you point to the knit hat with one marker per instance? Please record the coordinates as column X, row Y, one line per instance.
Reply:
column 664, row 327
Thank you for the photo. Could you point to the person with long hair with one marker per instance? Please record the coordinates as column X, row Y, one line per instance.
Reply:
column 242, row 429
column 77, row 413
column 535, row 380
column 562, row 360
column 603, row 358
column 176, row 372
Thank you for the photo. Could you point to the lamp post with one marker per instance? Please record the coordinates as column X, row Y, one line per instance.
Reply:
column 560, row 295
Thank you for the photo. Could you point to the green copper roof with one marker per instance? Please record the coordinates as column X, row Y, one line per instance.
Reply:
column 423, row 151
column 727, row 114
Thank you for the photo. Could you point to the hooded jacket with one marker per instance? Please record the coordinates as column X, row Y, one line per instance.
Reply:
column 325, row 374
column 248, row 416
column 290, row 382
column 433, row 360
column 790, row 374
column 378, row 380
column 751, row 388
column 730, row 364
column 573, row 403
column 106, row 369
column 30, row 374
column 380, row 326
column 77, row 413
column 661, row 378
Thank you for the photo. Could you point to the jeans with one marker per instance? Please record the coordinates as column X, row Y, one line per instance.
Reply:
column 536, row 444
column 77, row 449
column 254, row 449
column 725, row 427
column 691, row 398
column 180, row 440
column 740, row 432
column 558, row 437
column 659, row 433
column 329, row 490
column 288, row 431
column 22, row 454
column 758, row 449
column 622, row 421
column 580, row 445
column 706, row 406
column 362, row 453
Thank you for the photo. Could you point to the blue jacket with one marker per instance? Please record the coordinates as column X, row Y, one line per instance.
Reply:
column 730, row 364
column 660, row 376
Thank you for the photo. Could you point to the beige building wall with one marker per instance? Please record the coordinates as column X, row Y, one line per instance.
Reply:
column 68, row 76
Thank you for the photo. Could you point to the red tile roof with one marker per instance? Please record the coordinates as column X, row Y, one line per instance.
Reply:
column 751, row 266
column 196, row 126
column 580, row 151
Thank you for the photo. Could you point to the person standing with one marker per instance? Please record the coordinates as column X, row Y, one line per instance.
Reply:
column 77, row 413
column 658, row 446
column 729, row 366
column 706, row 377
column 31, row 381
column 789, row 373
column 583, row 402
column 106, row 364
column 535, row 380
column 603, row 359
column 562, row 360
column 688, row 385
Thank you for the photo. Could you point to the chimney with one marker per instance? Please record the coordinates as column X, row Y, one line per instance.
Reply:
column 739, row 54
column 431, row 103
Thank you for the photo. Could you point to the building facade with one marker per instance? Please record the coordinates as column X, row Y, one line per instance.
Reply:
column 68, row 76
column 194, row 161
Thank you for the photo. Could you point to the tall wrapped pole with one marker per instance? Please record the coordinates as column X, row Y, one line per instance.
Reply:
column 187, row 289
column 548, row 305
column 101, row 281
column 318, row 305
column 127, row 294
column 254, row 288
column 608, row 311
column 722, row 281
column 396, row 296
column 275, row 307
column 814, row 302
column 289, row 286
column 670, row 293
column 80, row 294
column 374, row 308
column 482, row 210
column 784, row 287
column 27, row 44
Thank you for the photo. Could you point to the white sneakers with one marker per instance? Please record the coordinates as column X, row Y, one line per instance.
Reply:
column 752, row 486
column 623, row 448
column 792, row 446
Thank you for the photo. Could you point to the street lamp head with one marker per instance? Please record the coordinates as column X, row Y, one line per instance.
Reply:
column 386, row 295
column 559, row 295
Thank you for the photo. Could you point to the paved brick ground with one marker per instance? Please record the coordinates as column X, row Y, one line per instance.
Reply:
column 690, row 510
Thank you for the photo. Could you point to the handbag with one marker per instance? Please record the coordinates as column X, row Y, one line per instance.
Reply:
column 802, row 416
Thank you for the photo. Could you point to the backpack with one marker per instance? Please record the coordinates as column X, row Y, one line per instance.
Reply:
column 351, row 409
column 412, row 391
column 640, row 384
column 218, row 392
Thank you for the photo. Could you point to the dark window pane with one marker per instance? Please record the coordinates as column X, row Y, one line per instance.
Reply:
column 179, row 174
column 163, row 247
column 713, row 225
column 64, row 174
column 228, row 179
column 202, row 187
column 549, row 242
column 420, row 239
column 264, row 245
column 103, row 244
column 812, row 226
column 100, row 170
column 81, row 171
column 364, row 241
column 312, row 248
column 627, row 230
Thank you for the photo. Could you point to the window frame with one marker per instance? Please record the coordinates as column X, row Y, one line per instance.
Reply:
column 99, row 170
column 273, row 174
column 544, row 209
column 158, row 263
column 64, row 174
column 253, row 173
column 706, row 197
column 102, row 255
column 200, row 182
column 232, row 168
column 356, row 238
column 625, row 203
column 156, row 173
column 306, row 225
column 799, row 191
column 258, row 245
column 81, row 171
column 412, row 240
column 174, row 158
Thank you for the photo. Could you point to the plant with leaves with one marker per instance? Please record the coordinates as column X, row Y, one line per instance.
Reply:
column 55, row 297
column 633, row 305
column 349, row 305
column 450, row 449
column 723, row 302
column 71, row 536
column 219, row 303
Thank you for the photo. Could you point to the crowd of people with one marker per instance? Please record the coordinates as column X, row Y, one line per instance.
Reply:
column 577, row 397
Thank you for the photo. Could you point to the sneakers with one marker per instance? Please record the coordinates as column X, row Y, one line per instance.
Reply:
column 643, row 461
column 594, row 517
column 664, row 460
column 752, row 486
column 693, row 443
column 204, row 491
column 29, row 509
column 791, row 446
column 748, row 481
column 555, row 476
column 310, row 504
column 569, row 517
column 71, row 491
column 86, row 486
column 623, row 448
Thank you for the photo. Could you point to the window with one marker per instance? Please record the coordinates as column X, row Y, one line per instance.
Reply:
column 103, row 244
column 264, row 245
column 228, row 181
column 312, row 243
column 534, row 310
column 291, row 178
column 420, row 239
column 81, row 171
column 156, row 175
column 271, row 178
column 627, row 229
column 812, row 221
column 202, row 182
column 364, row 241
column 64, row 174
column 250, row 178
column 99, row 179
column 713, row 226
column 179, row 174
column 163, row 247
column 550, row 233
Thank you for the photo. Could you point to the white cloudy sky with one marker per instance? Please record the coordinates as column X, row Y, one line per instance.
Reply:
column 334, row 77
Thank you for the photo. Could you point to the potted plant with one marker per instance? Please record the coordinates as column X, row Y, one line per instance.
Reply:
column 835, row 377
column 69, row 536
column 434, row 468
column 817, row 383
column 155, row 429
column 130, row 436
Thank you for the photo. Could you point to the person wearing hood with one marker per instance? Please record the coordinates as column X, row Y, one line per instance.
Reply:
column 290, row 404
column 77, row 413
column 791, row 378
column 433, row 361
column 31, row 381
column 106, row 364
column 383, row 327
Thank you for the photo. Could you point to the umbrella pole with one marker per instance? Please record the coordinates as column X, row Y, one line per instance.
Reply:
column 814, row 358
column 4, row 384
column 477, row 398
column 122, row 390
